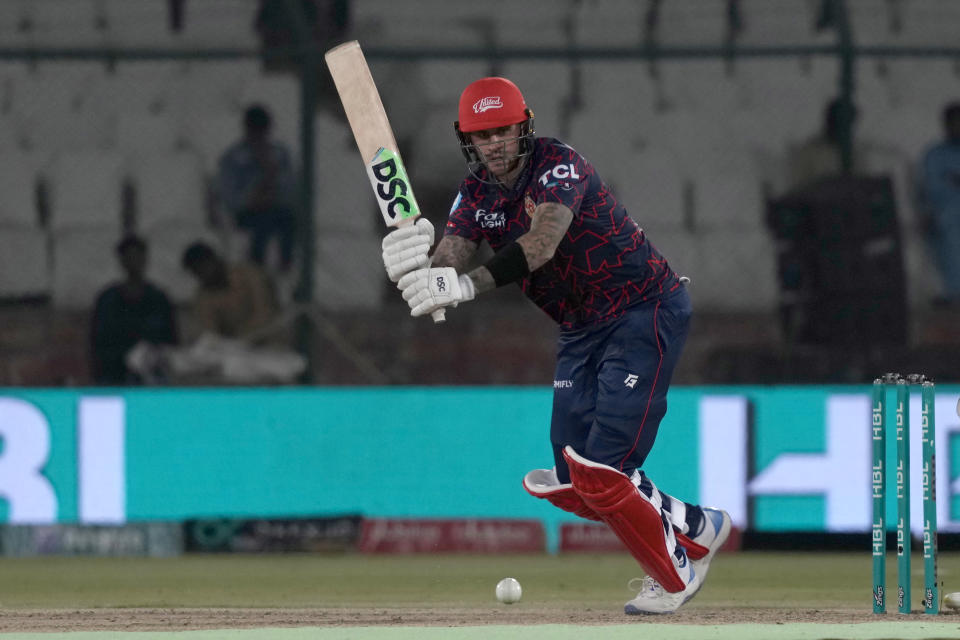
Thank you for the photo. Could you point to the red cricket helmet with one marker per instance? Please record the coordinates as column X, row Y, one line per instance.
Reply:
column 489, row 103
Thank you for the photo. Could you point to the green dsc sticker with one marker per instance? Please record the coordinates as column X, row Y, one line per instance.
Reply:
column 391, row 186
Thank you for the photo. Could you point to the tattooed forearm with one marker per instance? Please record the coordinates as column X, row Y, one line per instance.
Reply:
column 549, row 224
column 453, row 251
column 482, row 280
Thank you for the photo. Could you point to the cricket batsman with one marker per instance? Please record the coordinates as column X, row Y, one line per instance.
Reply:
column 559, row 233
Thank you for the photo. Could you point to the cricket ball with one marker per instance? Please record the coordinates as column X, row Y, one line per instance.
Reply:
column 952, row 600
column 509, row 591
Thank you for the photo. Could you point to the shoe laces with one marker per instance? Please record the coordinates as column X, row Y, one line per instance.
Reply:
column 645, row 585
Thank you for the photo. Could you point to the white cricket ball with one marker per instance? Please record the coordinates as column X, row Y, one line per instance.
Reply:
column 952, row 600
column 509, row 591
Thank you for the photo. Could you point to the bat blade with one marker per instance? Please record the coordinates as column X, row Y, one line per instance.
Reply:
column 374, row 136
column 373, row 133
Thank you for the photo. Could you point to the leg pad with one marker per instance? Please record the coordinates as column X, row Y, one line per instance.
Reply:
column 543, row 483
column 631, row 516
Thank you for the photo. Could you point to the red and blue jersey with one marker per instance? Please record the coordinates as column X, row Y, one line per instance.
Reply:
column 603, row 265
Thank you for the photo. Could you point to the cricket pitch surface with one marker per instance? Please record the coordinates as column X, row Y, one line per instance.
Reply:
column 748, row 595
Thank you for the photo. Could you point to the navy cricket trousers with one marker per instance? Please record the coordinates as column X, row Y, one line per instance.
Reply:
column 610, row 387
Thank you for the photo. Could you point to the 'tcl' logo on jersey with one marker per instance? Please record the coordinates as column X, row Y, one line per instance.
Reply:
column 559, row 172
column 490, row 219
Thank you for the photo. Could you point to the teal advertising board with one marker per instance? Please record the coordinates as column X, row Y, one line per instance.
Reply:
column 778, row 458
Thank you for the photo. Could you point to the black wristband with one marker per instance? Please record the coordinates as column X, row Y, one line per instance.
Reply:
column 508, row 265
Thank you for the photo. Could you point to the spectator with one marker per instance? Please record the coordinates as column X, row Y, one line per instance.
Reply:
column 127, row 313
column 324, row 21
column 232, row 301
column 940, row 203
column 821, row 155
column 257, row 185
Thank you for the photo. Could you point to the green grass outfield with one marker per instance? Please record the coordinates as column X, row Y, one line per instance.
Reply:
column 557, row 586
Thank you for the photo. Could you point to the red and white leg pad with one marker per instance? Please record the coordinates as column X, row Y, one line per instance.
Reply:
column 543, row 483
column 631, row 515
column 676, row 515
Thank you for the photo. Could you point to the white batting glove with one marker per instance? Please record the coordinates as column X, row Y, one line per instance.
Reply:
column 427, row 290
column 406, row 248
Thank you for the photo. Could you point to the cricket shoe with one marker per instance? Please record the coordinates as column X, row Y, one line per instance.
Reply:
column 713, row 533
column 654, row 599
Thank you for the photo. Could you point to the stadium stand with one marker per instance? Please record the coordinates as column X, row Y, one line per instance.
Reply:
column 692, row 146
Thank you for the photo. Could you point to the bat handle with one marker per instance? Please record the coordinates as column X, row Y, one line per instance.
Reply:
column 439, row 316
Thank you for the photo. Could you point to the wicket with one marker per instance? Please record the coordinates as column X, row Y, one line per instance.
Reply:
column 931, row 596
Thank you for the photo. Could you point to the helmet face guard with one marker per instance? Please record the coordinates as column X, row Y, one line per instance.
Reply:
column 492, row 103
column 474, row 156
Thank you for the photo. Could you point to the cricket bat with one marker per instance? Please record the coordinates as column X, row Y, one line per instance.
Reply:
column 374, row 136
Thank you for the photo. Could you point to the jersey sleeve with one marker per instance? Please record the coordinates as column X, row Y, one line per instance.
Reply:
column 562, row 176
column 460, row 221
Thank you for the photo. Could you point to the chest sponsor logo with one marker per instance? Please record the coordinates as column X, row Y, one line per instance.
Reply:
column 561, row 172
column 490, row 219
column 563, row 384
column 485, row 104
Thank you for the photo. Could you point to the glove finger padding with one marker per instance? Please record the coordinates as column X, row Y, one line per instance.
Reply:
column 401, row 259
column 426, row 290
column 407, row 248
column 422, row 228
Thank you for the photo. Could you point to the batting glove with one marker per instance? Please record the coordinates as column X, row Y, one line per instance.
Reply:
column 427, row 290
column 406, row 248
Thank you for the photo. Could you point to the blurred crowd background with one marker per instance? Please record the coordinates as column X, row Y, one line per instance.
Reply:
column 178, row 175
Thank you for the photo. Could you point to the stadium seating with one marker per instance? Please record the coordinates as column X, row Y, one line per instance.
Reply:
column 69, row 23
column 699, row 140
column 689, row 22
column 727, row 193
column 144, row 133
column 220, row 23
column 170, row 191
column 86, row 191
column 441, row 78
column 929, row 23
column 653, row 191
column 24, row 262
column 138, row 24
column 83, row 263
column 348, row 272
column 13, row 25
column 547, row 88
column 620, row 24
column 780, row 23
column 143, row 86
column 343, row 200
column 18, row 184
column 24, row 243
column 733, row 271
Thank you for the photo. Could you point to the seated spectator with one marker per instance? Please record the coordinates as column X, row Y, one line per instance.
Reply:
column 232, row 301
column 940, row 204
column 324, row 22
column 126, row 313
column 258, row 187
column 820, row 156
